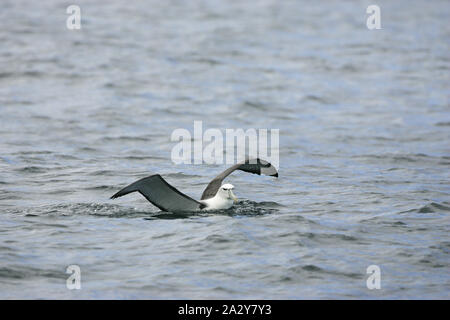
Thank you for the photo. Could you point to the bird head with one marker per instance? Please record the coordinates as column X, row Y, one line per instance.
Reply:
column 226, row 191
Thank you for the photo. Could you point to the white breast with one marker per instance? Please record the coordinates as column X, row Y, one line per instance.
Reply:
column 217, row 203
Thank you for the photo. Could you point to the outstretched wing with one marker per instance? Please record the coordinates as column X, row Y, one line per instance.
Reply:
column 256, row 166
column 161, row 194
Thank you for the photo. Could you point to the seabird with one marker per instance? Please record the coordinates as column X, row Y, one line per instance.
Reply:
column 215, row 197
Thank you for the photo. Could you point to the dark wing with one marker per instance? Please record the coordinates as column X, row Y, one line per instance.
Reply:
column 161, row 194
column 256, row 166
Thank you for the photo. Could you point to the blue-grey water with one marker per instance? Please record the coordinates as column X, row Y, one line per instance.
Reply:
column 364, row 121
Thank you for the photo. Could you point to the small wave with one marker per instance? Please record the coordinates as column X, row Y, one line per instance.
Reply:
column 251, row 208
column 328, row 236
column 32, row 169
column 136, row 157
column 313, row 269
column 127, row 138
column 216, row 238
column 432, row 207
column 181, row 175
column 256, row 105
column 8, row 195
column 102, row 173
column 21, row 272
column 31, row 74
column 415, row 157
column 86, row 149
column 208, row 61
column 74, row 209
column 6, row 75
column 101, row 187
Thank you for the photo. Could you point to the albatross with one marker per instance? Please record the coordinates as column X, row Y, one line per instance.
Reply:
column 215, row 197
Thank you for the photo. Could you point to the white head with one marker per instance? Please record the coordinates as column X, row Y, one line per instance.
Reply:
column 226, row 191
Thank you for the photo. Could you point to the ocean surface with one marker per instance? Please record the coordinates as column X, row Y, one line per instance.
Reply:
column 364, row 157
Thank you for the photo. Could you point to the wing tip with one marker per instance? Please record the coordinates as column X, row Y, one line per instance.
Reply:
column 121, row 193
column 114, row 196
